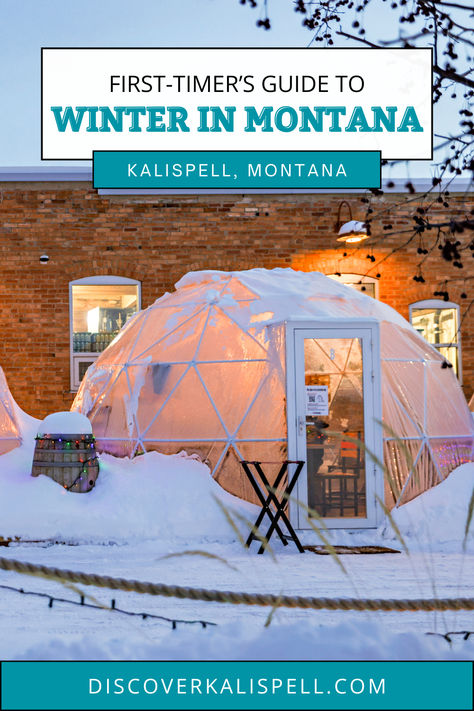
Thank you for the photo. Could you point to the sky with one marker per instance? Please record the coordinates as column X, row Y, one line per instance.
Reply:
column 27, row 25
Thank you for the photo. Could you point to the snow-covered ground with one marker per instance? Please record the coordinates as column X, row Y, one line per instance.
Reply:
column 144, row 511
column 30, row 629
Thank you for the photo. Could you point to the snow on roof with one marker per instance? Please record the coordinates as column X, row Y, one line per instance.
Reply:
column 288, row 295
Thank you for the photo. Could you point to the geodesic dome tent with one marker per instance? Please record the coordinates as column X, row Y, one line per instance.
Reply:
column 204, row 370
column 9, row 429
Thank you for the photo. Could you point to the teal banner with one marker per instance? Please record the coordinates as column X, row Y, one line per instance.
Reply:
column 236, row 170
column 236, row 685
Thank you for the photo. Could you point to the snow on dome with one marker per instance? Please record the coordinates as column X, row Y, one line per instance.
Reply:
column 65, row 423
column 10, row 436
column 287, row 294
column 203, row 369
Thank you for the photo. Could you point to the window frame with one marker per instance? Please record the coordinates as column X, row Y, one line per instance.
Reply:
column 104, row 280
column 350, row 278
column 441, row 304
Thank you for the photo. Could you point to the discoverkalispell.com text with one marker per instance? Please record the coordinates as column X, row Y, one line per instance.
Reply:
column 257, row 686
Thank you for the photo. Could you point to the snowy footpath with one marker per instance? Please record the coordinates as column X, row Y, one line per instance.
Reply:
column 154, row 518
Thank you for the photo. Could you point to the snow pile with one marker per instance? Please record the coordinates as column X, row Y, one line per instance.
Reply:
column 151, row 496
column 247, row 640
column 65, row 423
column 437, row 518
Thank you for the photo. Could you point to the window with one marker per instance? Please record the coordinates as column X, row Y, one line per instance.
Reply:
column 99, row 307
column 369, row 285
column 438, row 323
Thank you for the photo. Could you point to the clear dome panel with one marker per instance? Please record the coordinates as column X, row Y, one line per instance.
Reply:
column 232, row 387
column 240, row 312
column 398, row 342
column 94, row 387
column 446, row 414
column 8, row 426
column 399, row 457
column 117, row 447
column 10, row 436
column 396, row 421
column 177, row 344
column 187, row 414
column 273, row 339
column 159, row 322
column 423, row 477
column 266, row 418
column 406, row 381
column 207, row 452
column 8, row 443
column 450, row 453
column 110, row 417
column 152, row 385
column 118, row 351
column 231, row 475
column 232, row 478
column 6, row 400
column 223, row 339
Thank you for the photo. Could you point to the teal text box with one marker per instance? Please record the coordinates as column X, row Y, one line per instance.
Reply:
column 236, row 170
column 236, row 685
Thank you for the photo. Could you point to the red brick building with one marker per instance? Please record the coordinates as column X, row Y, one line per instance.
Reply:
column 51, row 329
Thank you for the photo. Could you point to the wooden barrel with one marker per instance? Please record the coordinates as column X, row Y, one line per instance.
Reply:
column 71, row 460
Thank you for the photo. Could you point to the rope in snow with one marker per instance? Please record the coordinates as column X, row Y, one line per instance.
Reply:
column 235, row 598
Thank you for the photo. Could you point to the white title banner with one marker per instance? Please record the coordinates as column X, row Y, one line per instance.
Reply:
column 235, row 100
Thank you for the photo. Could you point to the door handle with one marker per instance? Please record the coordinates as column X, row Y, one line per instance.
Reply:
column 301, row 425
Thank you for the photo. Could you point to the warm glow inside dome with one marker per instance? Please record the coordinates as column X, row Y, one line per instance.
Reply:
column 9, row 429
column 203, row 369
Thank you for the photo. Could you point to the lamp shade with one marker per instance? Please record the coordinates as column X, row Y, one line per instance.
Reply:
column 352, row 231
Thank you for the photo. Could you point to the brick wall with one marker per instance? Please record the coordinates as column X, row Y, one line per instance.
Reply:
column 157, row 239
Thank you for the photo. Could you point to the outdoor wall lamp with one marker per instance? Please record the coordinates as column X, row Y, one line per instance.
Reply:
column 352, row 231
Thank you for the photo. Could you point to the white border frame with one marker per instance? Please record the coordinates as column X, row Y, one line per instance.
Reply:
column 441, row 304
column 106, row 280
column 368, row 330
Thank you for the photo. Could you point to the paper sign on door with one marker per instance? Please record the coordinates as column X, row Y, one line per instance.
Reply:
column 317, row 401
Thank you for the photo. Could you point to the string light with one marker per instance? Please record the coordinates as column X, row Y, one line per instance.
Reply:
column 65, row 443
column 113, row 608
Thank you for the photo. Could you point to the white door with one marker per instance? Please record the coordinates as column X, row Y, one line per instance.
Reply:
column 337, row 429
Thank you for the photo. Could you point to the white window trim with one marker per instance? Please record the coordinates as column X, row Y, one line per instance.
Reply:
column 441, row 304
column 106, row 280
column 352, row 278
